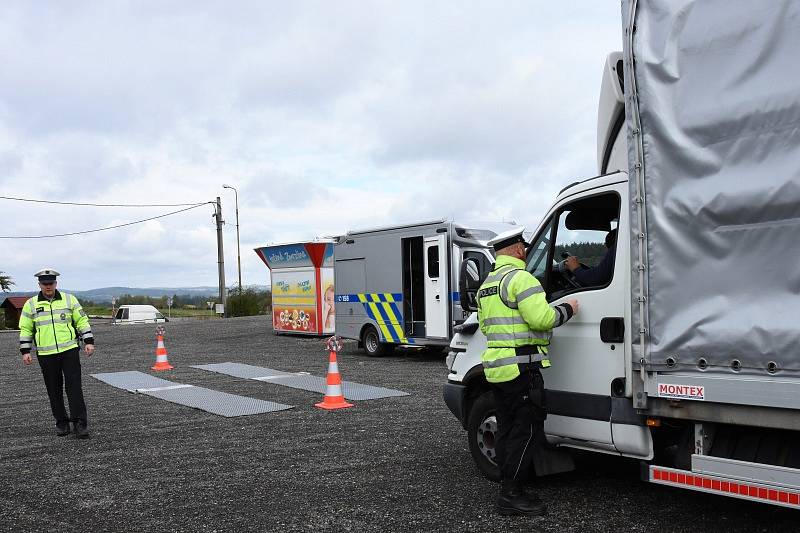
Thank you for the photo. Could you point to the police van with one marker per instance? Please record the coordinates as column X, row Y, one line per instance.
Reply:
column 398, row 285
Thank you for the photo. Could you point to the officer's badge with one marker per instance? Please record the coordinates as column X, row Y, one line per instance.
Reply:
column 63, row 316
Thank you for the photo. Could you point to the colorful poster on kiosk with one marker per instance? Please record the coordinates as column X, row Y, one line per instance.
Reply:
column 294, row 300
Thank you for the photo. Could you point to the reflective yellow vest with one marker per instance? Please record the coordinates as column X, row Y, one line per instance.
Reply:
column 52, row 325
column 515, row 317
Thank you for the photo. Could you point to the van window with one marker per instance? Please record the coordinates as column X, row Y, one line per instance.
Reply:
column 433, row 262
column 122, row 314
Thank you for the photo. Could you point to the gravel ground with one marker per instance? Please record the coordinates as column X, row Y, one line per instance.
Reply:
column 384, row 465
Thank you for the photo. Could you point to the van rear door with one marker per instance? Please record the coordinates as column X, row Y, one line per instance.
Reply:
column 436, row 286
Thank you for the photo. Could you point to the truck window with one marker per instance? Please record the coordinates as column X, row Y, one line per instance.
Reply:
column 433, row 262
column 587, row 230
column 587, row 245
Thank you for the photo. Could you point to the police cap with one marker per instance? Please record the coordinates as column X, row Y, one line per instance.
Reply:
column 47, row 274
column 507, row 238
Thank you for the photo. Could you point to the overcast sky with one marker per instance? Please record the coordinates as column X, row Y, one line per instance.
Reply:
column 327, row 116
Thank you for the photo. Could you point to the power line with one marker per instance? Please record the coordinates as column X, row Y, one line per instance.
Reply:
column 89, row 204
column 103, row 229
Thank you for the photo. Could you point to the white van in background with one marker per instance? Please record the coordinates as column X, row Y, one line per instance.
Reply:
column 138, row 314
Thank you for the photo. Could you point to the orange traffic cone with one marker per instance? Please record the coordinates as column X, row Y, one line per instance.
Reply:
column 161, row 352
column 334, row 399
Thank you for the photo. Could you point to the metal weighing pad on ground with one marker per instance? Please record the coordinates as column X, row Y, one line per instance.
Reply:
column 132, row 381
column 307, row 382
column 211, row 401
column 240, row 370
column 216, row 402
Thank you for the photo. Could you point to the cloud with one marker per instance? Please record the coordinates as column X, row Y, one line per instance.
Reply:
column 325, row 116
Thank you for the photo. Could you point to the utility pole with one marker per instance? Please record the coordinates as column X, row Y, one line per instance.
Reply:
column 220, row 255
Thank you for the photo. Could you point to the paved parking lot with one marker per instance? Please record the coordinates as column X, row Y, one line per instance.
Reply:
column 384, row 465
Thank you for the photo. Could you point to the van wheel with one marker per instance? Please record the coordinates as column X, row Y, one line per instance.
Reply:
column 482, row 435
column 372, row 343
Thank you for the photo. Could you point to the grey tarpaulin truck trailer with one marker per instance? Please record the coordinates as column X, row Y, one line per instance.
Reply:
column 398, row 285
column 688, row 357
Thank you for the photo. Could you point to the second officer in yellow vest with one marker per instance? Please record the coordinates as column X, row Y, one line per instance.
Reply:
column 517, row 321
column 53, row 321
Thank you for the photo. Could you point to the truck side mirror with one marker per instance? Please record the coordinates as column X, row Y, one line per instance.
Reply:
column 469, row 281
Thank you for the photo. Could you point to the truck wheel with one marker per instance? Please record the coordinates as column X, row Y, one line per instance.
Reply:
column 481, row 433
column 372, row 343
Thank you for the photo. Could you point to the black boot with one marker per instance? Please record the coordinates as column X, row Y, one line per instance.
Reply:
column 62, row 429
column 513, row 500
column 81, row 430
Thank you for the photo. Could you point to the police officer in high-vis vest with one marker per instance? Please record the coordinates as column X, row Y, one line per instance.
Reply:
column 517, row 321
column 55, row 322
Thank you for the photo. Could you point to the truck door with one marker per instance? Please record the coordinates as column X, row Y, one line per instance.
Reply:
column 584, row 366
column 436, row 286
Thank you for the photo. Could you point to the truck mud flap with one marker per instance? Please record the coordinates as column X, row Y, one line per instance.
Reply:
column 549, row 460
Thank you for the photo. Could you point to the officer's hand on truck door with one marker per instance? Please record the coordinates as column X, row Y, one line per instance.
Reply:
column 575, row 305
column 26, row 358
column 89, row 349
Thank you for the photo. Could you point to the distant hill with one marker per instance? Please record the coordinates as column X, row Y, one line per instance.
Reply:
column 104, row 295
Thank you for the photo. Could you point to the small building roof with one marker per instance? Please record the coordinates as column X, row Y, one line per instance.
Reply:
column 15, row 302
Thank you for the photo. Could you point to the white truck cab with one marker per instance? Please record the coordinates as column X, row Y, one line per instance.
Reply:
column 588, row 386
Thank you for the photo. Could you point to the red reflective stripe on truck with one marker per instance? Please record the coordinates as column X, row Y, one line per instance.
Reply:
column 711, row 484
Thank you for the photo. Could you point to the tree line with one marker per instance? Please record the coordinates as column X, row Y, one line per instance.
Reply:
column 589, row 253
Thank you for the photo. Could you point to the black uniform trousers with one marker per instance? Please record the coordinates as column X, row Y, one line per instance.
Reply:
column 59, row 370
column 521, row 413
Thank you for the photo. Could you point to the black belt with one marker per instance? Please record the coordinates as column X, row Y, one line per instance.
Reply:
column 527, row 350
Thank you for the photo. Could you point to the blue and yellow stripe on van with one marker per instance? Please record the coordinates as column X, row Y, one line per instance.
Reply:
column 383, row 308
